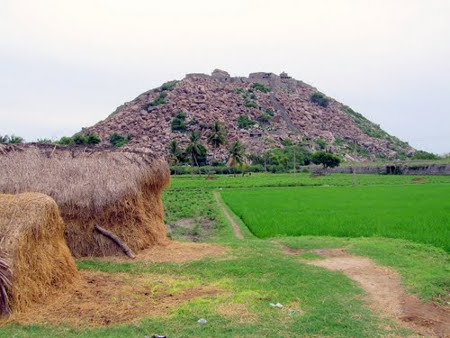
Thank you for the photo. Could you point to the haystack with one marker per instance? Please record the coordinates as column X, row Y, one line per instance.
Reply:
column 118, row 191
column 34, row 257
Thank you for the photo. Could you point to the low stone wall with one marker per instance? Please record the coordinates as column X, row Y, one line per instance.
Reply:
column 396, row 169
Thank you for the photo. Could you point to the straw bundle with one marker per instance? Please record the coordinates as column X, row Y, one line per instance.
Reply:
column 119, row 191
column 34, row 257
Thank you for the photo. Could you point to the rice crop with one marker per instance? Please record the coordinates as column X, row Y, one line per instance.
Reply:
column 419, row 213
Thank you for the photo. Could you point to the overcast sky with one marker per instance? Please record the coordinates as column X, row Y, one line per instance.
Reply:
column 66, row 64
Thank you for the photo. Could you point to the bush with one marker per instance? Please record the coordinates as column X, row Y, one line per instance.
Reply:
column 161, row 99
column 118, row 140
column 270, row 112
column 321, row 143
column 320, row 99
column 264, row 118
column 65, row 141
column 261, row 87
column 328, row 160
column 245, row 122
column 250, row 104
column 424, row 155
column 179, row 122
column 79, row 139
column 169, row 85
column 93, row 139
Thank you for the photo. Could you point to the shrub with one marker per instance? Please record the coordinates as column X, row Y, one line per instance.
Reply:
column 179, row 122
column 161, row 99
column 79, row 139
column 286, row 142
column 424, row 155
column 245, row 122
column 320, row 99
column 93, row 139
column 65, row 140
column 250, row 104
column 270, row 112
column 169, row 85
column 328, row 160
column 321, row 143
column 264, row 118
column 118, row 140
column 261, row 87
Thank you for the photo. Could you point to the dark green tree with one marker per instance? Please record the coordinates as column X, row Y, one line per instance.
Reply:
column 175, row 152
column 328, row 160
column 195, row 150
column 217, row 135
column 237, row 155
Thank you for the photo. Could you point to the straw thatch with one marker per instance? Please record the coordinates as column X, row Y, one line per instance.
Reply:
column 119, row 191
column 34, row 257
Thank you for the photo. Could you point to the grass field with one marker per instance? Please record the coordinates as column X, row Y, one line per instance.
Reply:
column 419, row 213
column 254, row 272
column 299, row 179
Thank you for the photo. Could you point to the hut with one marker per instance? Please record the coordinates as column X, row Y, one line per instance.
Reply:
column 34, row 257
column 110, row 200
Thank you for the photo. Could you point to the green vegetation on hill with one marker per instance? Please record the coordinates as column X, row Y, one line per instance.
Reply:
column 179, row 122
column 260, row 87
column 245, row 122
column 374, row 130
column 118, row 140
column 77, row 139
column 320, row 99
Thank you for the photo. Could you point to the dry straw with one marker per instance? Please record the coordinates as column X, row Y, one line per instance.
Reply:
column 118, row 190
column 35, row 260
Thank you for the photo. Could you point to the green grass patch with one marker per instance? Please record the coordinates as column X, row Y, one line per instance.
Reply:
column 296, row 180
column 425, row 270
column 418, row 213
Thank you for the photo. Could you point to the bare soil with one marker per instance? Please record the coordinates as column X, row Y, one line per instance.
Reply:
column 102, row 299
column 385, row 293
column 236, row 230
column 176, row 252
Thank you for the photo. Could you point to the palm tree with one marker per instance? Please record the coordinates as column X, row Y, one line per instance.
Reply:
column 217, row 135
column 195, row 149
column 237, row 156
column 174, row 152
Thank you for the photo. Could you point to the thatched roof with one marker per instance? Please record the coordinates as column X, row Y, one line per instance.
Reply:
column 79, row 177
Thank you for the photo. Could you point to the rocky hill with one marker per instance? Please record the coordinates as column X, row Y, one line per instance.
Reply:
column 263, row 111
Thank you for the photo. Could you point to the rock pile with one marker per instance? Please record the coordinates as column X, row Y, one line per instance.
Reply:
column 204, row 99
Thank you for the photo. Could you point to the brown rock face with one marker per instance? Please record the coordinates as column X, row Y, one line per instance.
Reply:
column 219, row 97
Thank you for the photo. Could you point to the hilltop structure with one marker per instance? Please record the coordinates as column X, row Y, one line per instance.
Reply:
column 263, row 111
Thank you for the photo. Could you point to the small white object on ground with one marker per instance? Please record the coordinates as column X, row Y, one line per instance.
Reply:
column 277, row 305
column 202, row 321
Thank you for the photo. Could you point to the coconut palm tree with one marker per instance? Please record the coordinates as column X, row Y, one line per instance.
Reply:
column 174, row 152
column 237, row 156
column 217, row 135
column 195, row 149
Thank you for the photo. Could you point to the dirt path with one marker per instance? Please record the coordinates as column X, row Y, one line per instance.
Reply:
column 385, row 294
column 236, row 230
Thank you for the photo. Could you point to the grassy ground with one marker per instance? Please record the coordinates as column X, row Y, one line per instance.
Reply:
column 254, row 273
column 299, row 179
column 420, row 213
